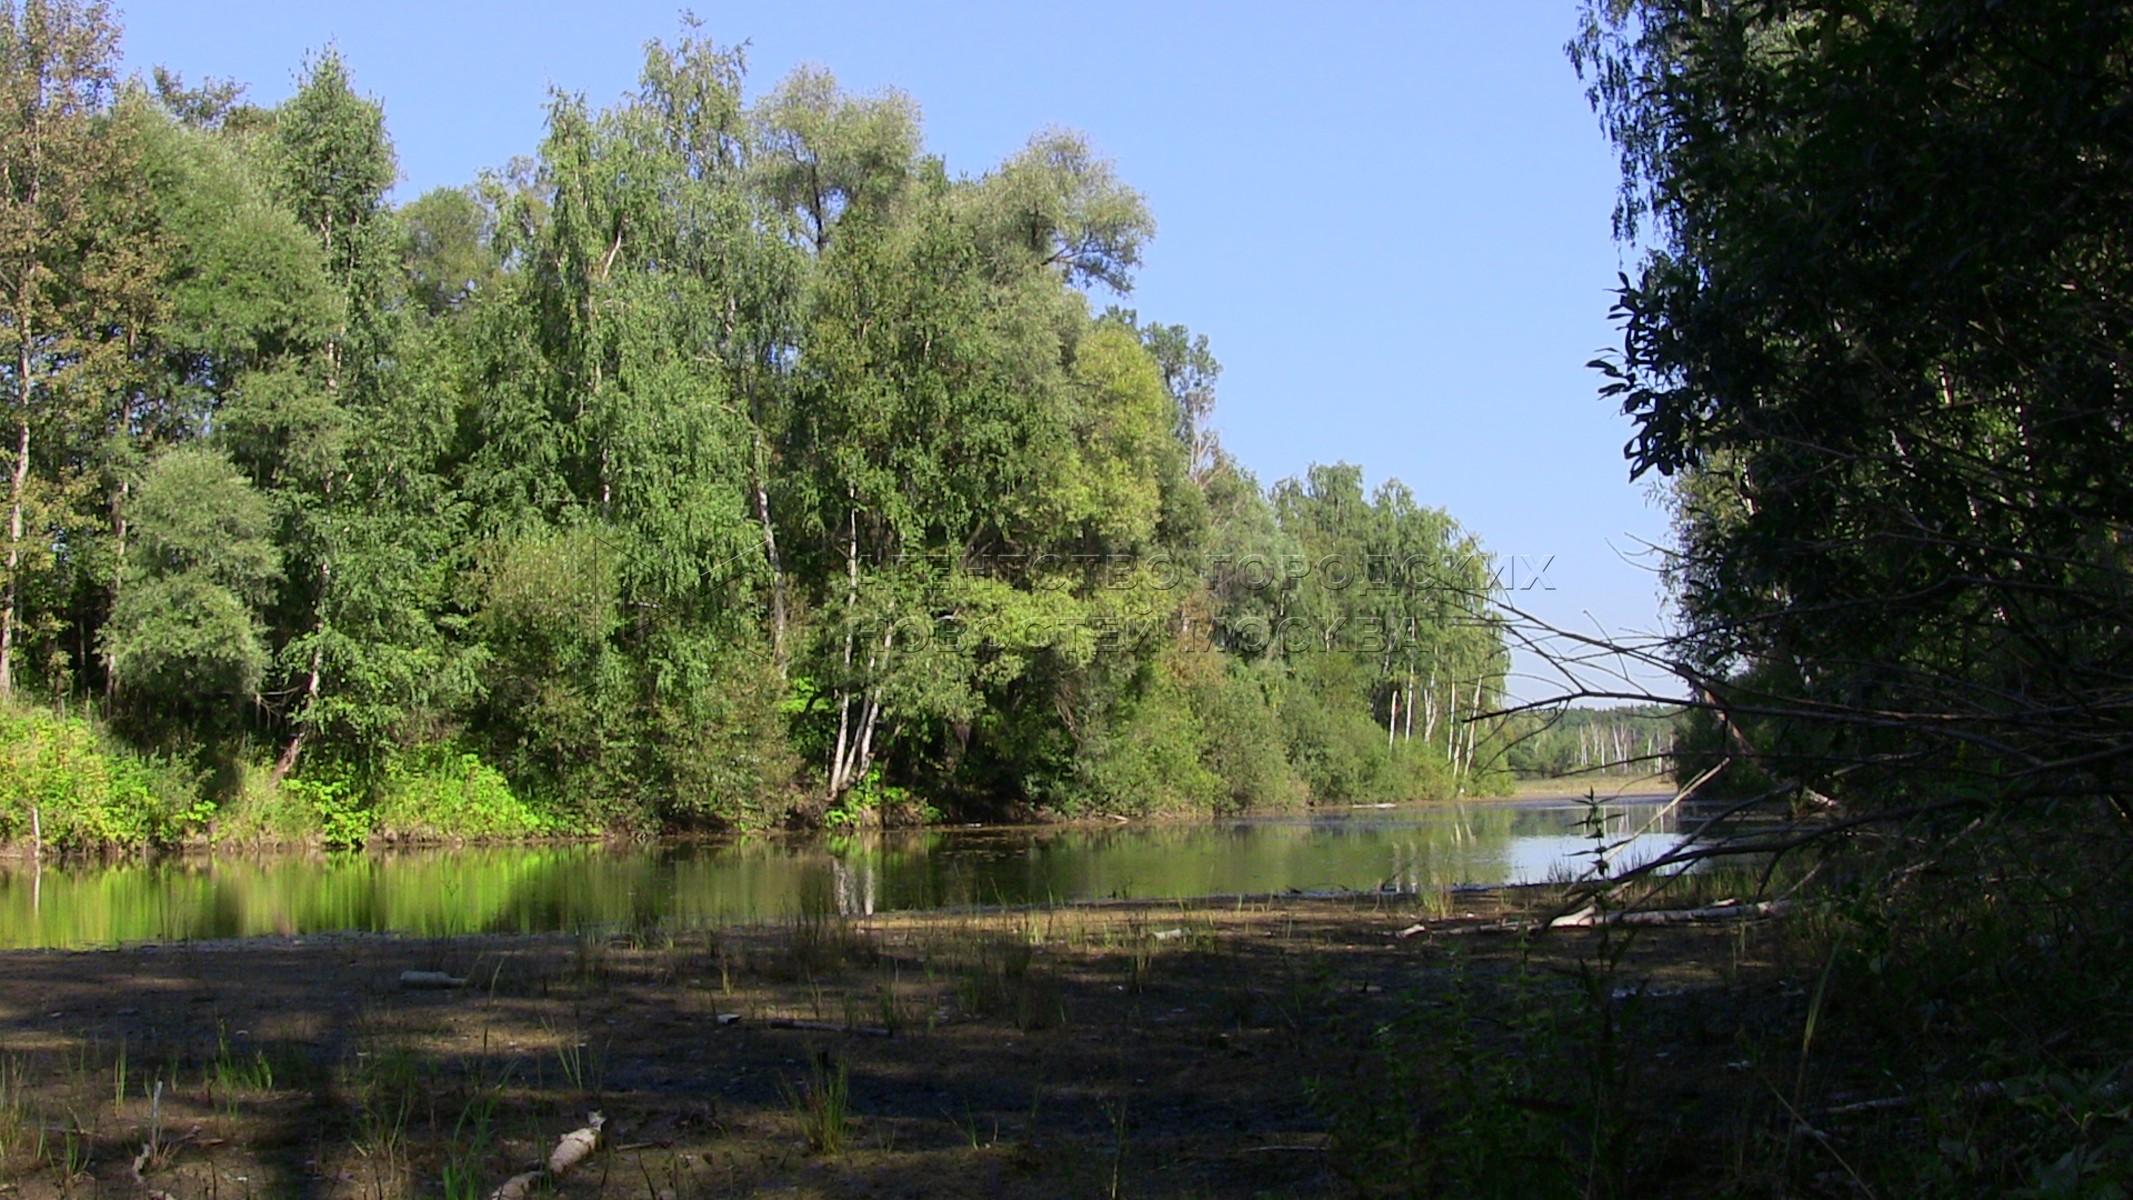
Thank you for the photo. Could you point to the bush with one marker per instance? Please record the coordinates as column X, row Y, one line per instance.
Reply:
column 437, row 793
column 431, row 793
column 85, row 793
column 1337, row 749
column 337, row 801
column 1241, row 738
column 263, row 812
column 719, row 754
column 1145, row 758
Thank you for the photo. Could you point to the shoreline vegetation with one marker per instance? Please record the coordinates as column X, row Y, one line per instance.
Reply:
column 67, row 790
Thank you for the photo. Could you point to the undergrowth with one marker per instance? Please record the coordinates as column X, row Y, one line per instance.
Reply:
column 64, row 781
column 1955, row 1025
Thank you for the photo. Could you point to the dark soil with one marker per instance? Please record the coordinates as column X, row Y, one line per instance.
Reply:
column 1139, row 1050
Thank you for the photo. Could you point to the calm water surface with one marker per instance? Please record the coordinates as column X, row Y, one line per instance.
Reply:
column 541, row 889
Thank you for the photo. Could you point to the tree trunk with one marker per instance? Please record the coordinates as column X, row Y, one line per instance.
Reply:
column 118, row 533
column 1451, row 726
column 1473, row 715
column 287, row 762
column 1429, row 705
column 770, row 553
column 869, row 719
column 837, row 780
column 18, row 485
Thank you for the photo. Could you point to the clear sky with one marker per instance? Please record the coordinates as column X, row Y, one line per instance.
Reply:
column 1390, row 217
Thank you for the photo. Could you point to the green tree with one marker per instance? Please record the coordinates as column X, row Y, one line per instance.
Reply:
column 718, row 438
column 1405, row 599
column 1189, row 371
column 1881, row 330
column 637, row 348
column 58, row 72
column 821, row 154
column 1059, row 205
column 333, row 163
column 346, row 438
column 447, row 249
column 238, row 288
column 186, row 631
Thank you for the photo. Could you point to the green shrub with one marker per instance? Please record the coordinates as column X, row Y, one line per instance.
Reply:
column 1343, row 755
column 1147, row 761
column 85, row 793
column 1241, row 739
column 718, row 753
column 438, row 793
column 872, row 803
column 263, row 812
column 337, row 799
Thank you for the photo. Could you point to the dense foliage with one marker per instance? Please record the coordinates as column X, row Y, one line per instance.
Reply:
column 1879, row 338
column 727, row 462
column 1881, row 335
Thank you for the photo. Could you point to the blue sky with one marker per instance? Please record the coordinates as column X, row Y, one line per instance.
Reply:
column 1390, row 219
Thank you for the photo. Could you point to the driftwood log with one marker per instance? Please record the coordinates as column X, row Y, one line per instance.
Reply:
column 574, row 1147
column 1592, row 918
column 829, row 1027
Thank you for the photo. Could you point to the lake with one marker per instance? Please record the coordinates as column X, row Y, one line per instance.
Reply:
column 577, row 887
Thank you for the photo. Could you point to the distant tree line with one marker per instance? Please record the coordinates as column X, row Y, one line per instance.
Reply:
column 1630, row 740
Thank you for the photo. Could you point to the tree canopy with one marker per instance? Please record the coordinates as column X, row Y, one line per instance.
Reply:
column 727, row 461
column 1879, row 336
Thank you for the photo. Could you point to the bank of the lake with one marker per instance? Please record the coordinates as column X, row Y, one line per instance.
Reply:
column 1433, row 1042
column 1153, row 1049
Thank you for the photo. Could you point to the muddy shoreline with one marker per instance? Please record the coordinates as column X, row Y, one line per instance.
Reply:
column 1175, row 1049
